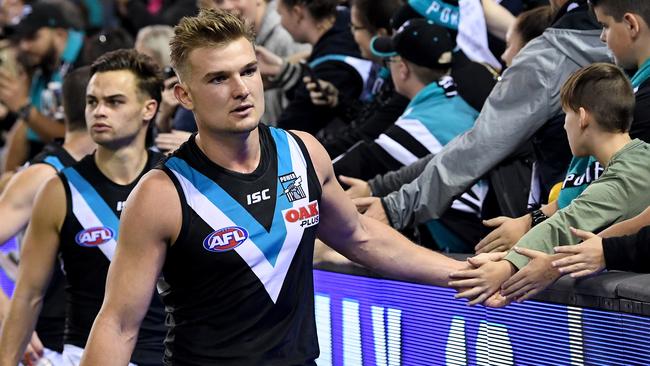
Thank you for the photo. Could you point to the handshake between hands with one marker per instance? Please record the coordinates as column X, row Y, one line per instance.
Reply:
column 491, row 280
column 495, row 282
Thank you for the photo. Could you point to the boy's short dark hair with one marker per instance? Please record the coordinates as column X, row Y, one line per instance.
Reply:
column 618, row 8
column 145, row 69
column 605, row 91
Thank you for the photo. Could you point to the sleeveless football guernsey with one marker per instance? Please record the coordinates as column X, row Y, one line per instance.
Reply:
column 239, row 276
column 88, row 239
column 51, row 320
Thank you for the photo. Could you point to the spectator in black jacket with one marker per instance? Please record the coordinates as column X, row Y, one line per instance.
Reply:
column 319, row 23
column 369, row 18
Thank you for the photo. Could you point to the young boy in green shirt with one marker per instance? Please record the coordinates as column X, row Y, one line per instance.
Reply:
column 599, row 104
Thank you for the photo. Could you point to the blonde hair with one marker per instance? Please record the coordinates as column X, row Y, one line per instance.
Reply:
column 155, row 38
column 210, row 28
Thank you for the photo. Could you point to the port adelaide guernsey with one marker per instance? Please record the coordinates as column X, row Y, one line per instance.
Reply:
column 239, row 276
column 88, row 240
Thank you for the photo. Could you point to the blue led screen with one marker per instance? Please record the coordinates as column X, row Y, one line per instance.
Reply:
column 368, row 321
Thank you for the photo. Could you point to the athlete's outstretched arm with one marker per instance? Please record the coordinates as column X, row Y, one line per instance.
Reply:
column 150, row 220
column 369, row 242
column 38, row 256
column 17, row 199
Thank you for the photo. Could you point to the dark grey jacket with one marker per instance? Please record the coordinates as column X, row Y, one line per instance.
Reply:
column 527, row 96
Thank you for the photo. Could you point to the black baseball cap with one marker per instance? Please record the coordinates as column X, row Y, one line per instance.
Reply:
column 40, row 15
column 418, row 41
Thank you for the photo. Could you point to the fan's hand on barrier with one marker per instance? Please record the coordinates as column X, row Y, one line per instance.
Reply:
column 584, row 259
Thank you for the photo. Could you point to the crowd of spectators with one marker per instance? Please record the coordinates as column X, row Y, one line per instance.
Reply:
column 429, row 132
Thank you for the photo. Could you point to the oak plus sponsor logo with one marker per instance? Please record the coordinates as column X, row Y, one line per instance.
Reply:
column 94, row 236
column 303, row 216
column 225, row 239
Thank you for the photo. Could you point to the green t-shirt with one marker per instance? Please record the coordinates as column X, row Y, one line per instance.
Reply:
column 578, row 176
column 619, row 194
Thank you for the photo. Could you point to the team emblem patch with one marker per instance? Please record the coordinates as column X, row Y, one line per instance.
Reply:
column 304, row 216
column 292, row 186
column 94, row 236
column 225, row 239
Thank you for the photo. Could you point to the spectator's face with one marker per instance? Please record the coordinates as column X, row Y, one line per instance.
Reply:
column 39, row 48
column 618, row 37
column 115, row 112
column 361, row 34
column 514, row 44
column 398, row 72
column 244, row 8
column 10, row 11
column 291, row 19
column 574, row 130
column 223, row 88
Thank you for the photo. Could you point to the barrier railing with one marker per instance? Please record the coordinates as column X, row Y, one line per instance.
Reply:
column 364, row 319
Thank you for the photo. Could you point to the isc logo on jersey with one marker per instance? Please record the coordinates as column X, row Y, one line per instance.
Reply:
column 225, row 239
column 304, row 216
column 94, row 236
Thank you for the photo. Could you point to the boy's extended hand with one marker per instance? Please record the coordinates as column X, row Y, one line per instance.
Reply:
column 533, row 278
column 480, row 283
column 584, row 259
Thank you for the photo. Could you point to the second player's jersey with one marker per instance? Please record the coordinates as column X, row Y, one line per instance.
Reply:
column 88, row 239
column 239, row 276
column 55, row 155
column 51, row 320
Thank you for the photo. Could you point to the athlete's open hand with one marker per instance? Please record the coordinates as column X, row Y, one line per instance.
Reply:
column 481, row 283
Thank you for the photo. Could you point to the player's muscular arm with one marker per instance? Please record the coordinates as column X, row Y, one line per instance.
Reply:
column 38, row 256
column 367, row 241
column 150, row 220
column 18, row 197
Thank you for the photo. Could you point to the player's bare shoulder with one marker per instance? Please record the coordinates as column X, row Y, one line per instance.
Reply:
column 155, row 190
column 154, row 202
column 50, row 203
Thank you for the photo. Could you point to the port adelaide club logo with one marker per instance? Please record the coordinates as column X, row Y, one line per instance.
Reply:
column 292, row 187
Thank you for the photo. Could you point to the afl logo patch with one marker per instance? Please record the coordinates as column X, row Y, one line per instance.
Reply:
column 225, row 239
column 94, row 236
